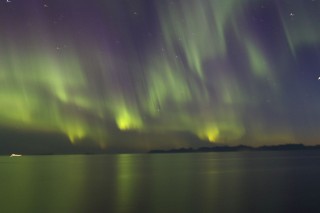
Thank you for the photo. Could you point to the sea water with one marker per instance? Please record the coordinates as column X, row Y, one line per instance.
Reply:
column 163, row 183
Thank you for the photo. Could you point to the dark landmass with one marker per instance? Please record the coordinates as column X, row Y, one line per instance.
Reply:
column 37, row 143
column 283, row 147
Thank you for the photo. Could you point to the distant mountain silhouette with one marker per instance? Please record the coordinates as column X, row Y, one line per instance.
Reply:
column 282, row 147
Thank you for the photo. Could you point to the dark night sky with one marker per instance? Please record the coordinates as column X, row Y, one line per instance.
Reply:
column 146, row 74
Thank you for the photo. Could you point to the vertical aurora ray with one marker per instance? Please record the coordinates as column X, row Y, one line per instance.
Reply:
column 299, row 23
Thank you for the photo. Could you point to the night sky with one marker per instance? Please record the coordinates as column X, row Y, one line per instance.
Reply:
column 147, row 74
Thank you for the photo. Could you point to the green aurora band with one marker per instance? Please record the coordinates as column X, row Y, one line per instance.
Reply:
column 206, row 71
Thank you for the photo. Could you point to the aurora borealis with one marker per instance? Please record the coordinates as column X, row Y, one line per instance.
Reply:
column 232, row 71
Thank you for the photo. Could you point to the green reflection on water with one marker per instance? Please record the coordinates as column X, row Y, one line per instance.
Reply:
column 125, row 182
column 41, row 184
column 212, row 182
column 151, row 183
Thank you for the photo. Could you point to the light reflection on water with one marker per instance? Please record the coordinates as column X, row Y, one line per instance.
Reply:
column 199, row 182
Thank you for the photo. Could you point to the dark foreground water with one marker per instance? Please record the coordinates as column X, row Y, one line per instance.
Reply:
column 164, row 183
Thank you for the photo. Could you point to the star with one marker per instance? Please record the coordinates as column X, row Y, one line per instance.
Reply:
column 292, row 14
column 8, row 1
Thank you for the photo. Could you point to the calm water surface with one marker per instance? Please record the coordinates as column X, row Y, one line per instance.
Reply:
column 164, row 183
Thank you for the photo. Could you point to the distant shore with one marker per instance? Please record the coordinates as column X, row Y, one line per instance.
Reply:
column 222, row 148
column 217, row 148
